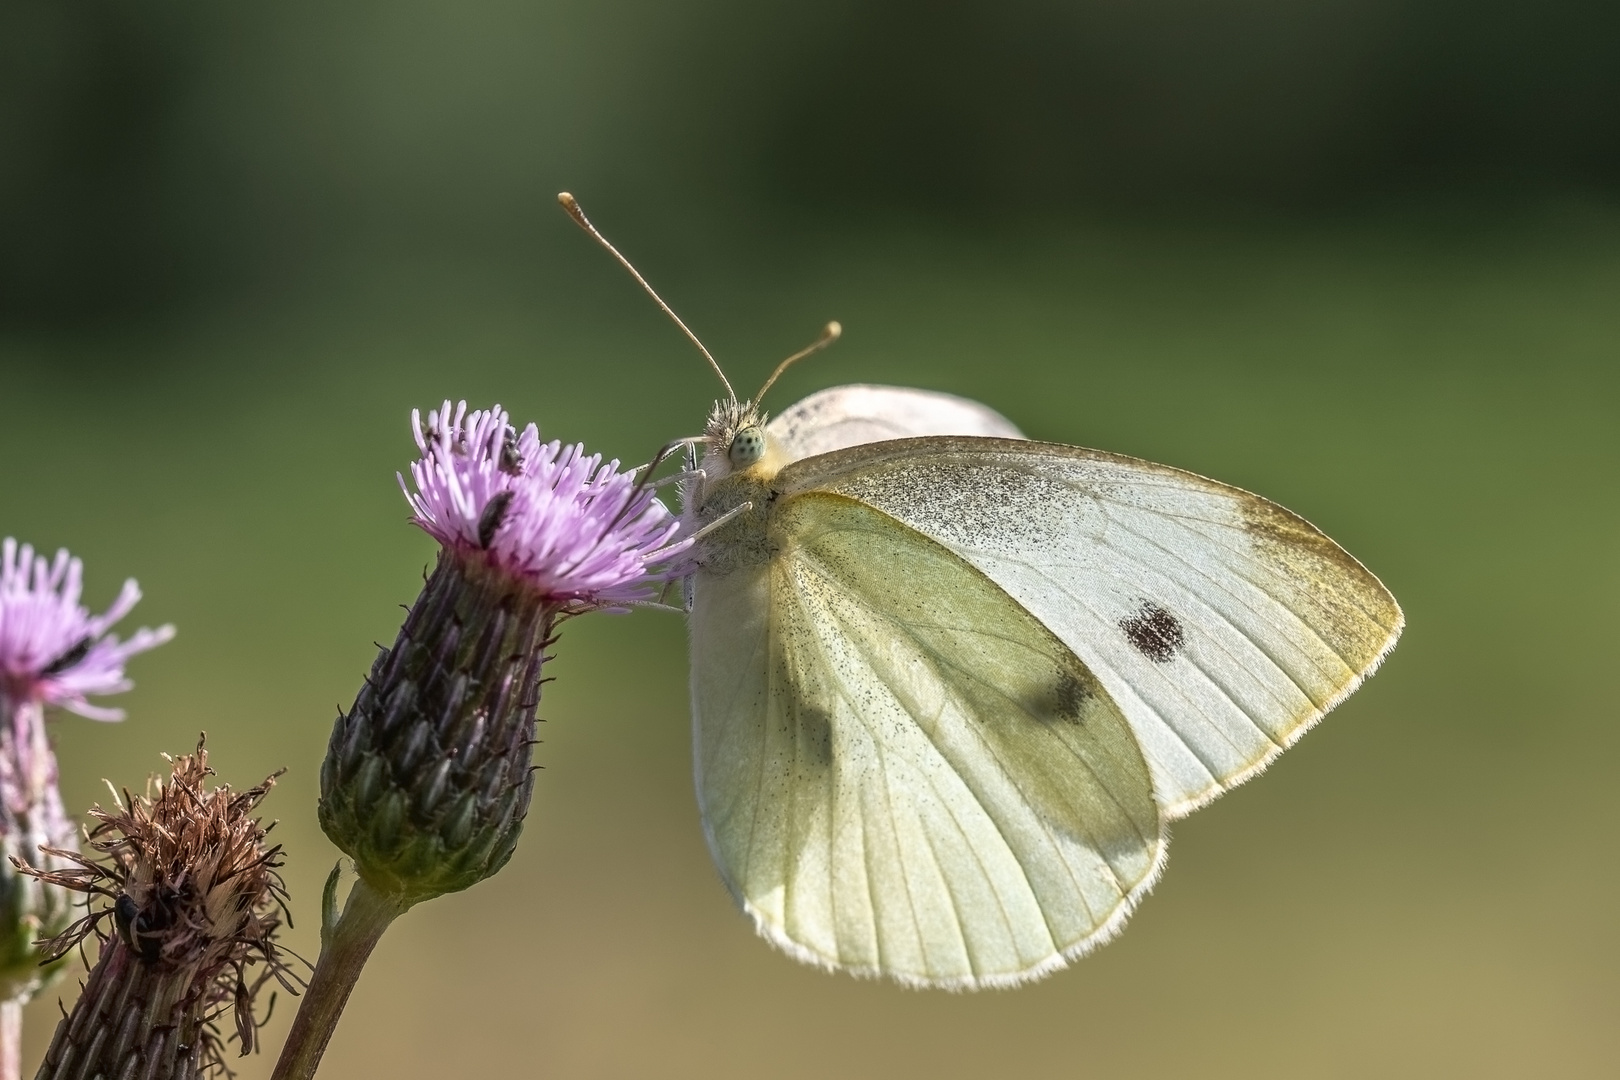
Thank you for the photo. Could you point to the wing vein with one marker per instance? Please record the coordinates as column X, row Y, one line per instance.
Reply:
column 956, row 912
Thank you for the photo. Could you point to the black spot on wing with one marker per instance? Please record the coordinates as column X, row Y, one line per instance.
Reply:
column 1063, row 699
column 1154, row 632
column 1072, row 694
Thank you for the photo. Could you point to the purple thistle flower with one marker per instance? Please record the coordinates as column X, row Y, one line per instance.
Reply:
column 583, row 534
column 427, row 779
column 52, row 650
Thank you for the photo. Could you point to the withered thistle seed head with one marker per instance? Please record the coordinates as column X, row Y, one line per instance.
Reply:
column 185, row 899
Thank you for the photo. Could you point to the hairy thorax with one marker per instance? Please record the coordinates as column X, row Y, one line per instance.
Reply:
column 744, row 541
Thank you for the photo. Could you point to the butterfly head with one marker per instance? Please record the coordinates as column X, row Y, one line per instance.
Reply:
column 735, row 439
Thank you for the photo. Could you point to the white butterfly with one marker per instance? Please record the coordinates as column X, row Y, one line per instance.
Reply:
column 949, row 686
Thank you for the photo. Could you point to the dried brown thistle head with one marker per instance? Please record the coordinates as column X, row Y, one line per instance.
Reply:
column 190, row 901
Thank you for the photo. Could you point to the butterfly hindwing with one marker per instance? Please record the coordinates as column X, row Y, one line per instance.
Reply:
column 844, row 416
column 903, row 772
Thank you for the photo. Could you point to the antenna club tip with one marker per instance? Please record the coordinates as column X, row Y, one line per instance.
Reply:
column 570, row 206
column 832, row 331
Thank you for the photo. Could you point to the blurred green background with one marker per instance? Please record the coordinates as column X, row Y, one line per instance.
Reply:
column 1361, row 256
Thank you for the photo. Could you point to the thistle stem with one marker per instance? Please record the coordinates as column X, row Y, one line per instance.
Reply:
column 11, row 1012
column 365, row 916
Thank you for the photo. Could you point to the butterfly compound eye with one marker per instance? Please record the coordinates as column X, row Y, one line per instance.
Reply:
column 747, row 447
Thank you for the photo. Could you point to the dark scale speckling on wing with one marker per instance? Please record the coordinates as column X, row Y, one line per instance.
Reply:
column 1154, row 632
column 1064, row 699
column 1071, row 695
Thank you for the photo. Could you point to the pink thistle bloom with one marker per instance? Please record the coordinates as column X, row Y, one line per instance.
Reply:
column 579, row 531
column 52, row 650
column 428, row 778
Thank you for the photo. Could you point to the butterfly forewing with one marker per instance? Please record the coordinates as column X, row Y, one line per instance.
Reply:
column 1222, row 624
column 901, row 772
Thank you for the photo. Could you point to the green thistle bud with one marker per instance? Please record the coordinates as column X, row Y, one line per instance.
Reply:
column 427, row 779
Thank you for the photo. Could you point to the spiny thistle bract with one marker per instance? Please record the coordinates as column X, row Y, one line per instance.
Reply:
column 427, row 778
column 185, row 900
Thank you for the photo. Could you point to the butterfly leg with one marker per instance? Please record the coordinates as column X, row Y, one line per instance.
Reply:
column 654, row 605
column 696, row 474
column 678, row 478
column 668, row 450
column 740, row 508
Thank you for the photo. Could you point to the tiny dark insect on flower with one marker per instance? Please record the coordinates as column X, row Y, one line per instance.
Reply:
column 69, row 658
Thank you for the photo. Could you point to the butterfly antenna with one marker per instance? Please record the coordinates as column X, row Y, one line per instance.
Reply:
column 829, row 334
column 571, row 205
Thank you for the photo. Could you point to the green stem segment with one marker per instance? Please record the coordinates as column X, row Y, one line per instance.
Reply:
column 365, row 916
